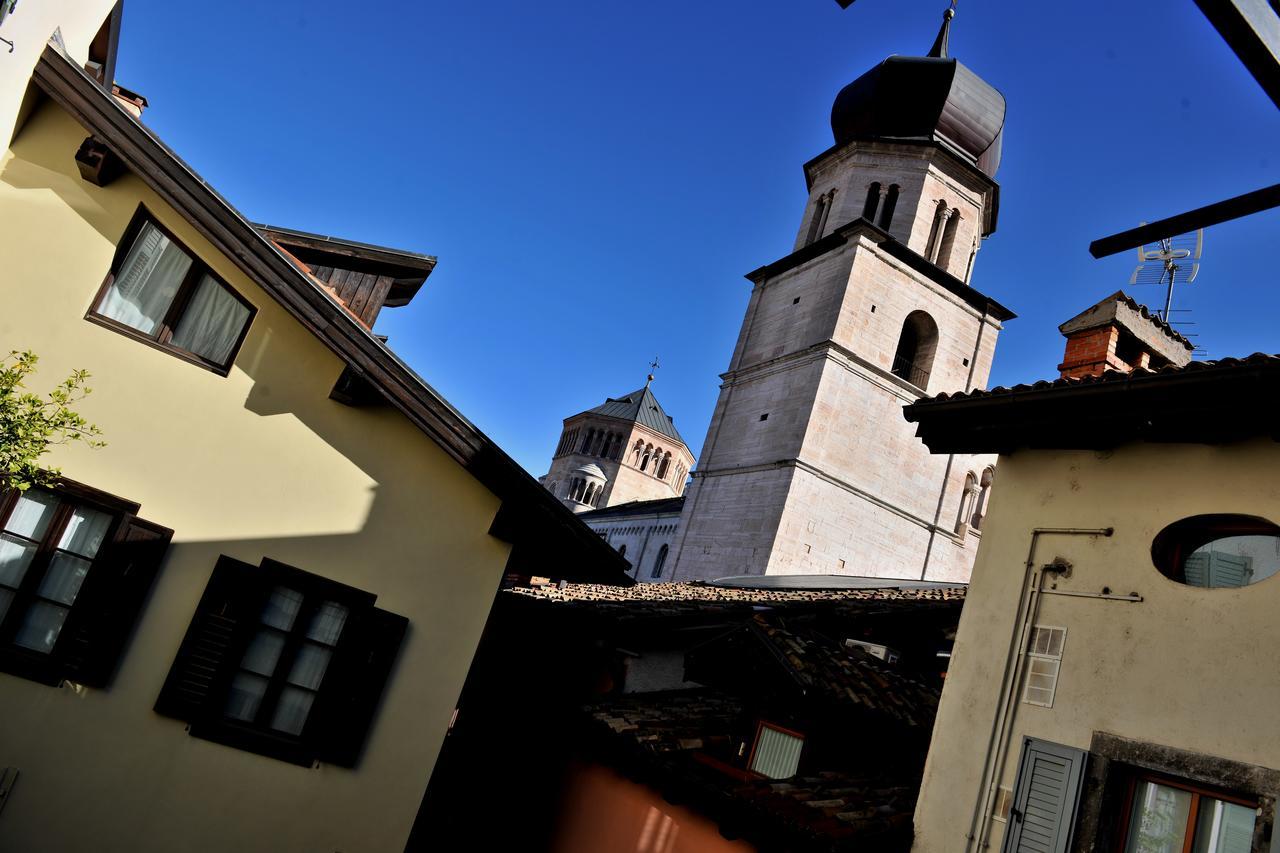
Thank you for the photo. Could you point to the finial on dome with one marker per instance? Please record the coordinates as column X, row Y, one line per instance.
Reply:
column 939, row 48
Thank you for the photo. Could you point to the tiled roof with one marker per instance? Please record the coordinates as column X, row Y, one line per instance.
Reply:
column 823, row 810
column 853, row 679
column 703, row 592
column 641, row 407
column 1135, row 377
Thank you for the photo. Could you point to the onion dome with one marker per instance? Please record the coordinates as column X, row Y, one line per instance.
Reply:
column 925, row 98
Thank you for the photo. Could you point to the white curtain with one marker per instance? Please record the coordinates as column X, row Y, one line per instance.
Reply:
column 211, row 323
column 85, row 531
column 148, row 279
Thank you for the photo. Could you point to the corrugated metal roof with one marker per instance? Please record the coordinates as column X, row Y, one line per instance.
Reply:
column 643, row 408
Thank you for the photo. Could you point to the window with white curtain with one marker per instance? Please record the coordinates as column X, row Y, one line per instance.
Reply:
column 285, row 663
column 158, row 291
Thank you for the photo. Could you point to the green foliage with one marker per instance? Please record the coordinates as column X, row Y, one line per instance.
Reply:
column 31, row 424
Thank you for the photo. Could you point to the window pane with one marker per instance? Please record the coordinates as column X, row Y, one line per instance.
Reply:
column 31, row 514
column 63, row 580
column 1233, row 561
column 148, row 279
column 85, row 531
column 263, row 653
column 211, row 322
column 326, row 625
column 309, row 666
column 292, row 710
column 1158, row 823
column 246, row 696
column 6, row 598
column 15, row 558
column 41, row 626
column 282, row 608
column 1224, row 827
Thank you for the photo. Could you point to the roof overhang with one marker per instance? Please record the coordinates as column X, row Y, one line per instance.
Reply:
column 1214, row 402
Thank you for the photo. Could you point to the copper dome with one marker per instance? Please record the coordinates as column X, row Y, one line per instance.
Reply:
column 924, row 98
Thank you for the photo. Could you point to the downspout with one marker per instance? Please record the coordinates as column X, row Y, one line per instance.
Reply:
column 946, row 475
column 1002, row 723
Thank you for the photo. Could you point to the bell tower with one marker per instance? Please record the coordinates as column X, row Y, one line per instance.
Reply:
column 808, row 466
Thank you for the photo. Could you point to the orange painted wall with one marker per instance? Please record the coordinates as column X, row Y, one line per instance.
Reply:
column 605, row 813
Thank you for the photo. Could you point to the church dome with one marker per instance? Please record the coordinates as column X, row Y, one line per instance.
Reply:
column 924, row 98
column 591, row 471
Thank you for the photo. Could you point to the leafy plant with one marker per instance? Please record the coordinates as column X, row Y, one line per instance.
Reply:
column 30, row 424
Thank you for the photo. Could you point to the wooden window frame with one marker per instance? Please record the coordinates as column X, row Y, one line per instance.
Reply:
column 161, row 338
column 46, row 667
column 1198, row 792
column 257, row 735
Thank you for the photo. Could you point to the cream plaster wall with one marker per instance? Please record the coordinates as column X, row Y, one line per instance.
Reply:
column 1188, row 668
column 256, row 464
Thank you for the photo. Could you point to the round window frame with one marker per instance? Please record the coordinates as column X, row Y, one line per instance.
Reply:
column 1178, row 540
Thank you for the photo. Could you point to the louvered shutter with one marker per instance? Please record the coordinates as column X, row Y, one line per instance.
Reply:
column 110, row 601
column 1045, row 797
column 227, row 613
column 354, row 685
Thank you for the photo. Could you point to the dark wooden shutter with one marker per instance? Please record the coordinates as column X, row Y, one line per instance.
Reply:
column 108, row 606
column 1045, row 797
column 228, row 611
column 352, row 689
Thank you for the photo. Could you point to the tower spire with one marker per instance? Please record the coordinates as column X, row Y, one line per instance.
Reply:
column 652, row 367
column 939, row 48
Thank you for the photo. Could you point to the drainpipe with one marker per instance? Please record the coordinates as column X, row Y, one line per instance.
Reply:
column 1002, row 724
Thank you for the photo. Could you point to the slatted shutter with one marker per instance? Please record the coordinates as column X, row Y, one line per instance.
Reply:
column 227, row 612
column 353, row 689
column 1045, row 797
column 110, row 601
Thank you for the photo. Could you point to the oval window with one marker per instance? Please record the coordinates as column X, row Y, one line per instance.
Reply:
column 1218, row 550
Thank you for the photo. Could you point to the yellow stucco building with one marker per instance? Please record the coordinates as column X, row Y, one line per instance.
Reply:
column 244, row 623
column 1112, row 684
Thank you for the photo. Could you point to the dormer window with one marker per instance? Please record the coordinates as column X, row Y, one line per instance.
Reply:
column 776, row 752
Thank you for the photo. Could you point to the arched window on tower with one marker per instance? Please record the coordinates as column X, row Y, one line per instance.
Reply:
column 661, row 473
column 872, row 203
column 890, row 204
column 984, row 495
column 635, row 453
column 916, row 347
column 644, row 460
column 940, row 215
column 586, row 441
column 659, row 562
column 818, row 221
column 948, row 239
column 966, row 503
column 589, row 493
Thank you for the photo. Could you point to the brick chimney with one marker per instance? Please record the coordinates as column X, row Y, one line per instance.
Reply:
column 1120, row 334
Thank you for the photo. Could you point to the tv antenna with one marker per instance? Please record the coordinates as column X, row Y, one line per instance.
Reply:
column 1170, row 261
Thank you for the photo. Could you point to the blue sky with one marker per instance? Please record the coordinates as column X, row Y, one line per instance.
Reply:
column 596, row 178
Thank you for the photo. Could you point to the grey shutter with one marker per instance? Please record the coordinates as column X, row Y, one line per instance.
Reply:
column 1045, row 797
